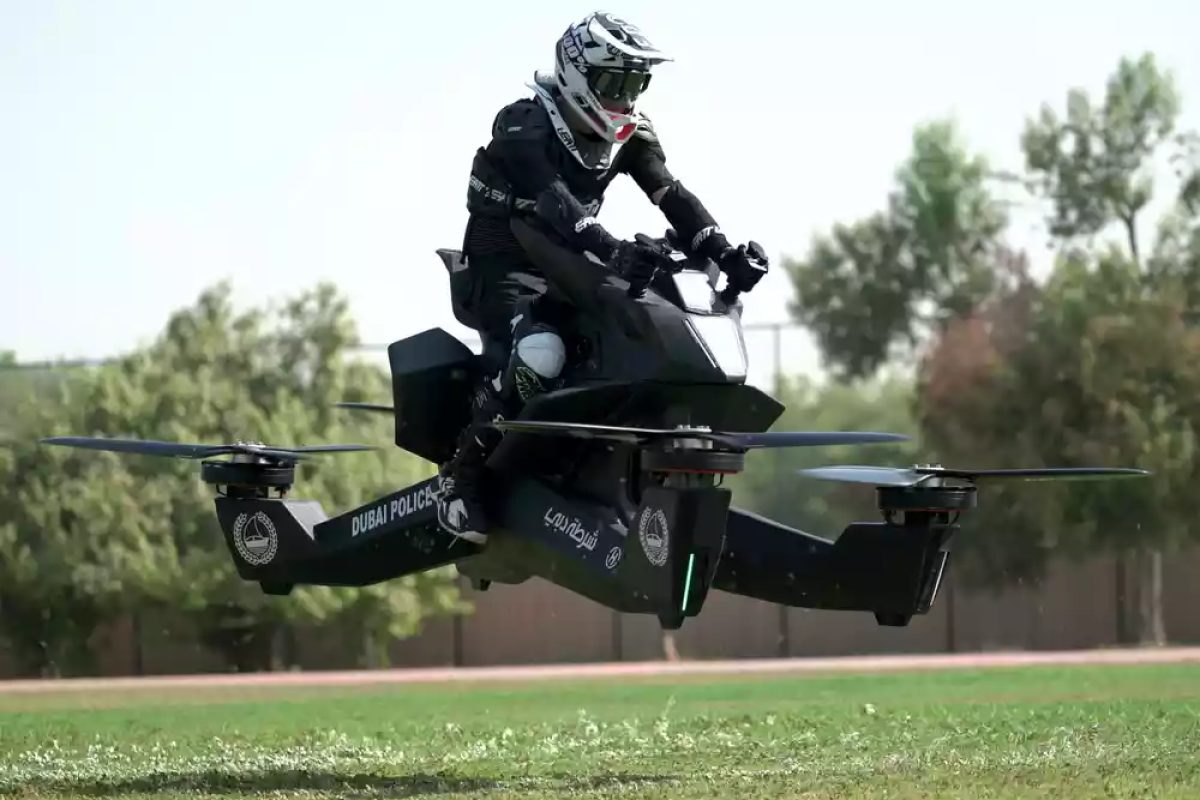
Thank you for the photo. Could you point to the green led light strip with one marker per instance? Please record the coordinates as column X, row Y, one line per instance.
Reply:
column 687, row 584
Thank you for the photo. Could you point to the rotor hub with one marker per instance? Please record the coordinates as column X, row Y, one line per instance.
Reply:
column 688, row 443
column 248, row 458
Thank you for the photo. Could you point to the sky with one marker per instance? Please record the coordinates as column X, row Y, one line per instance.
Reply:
column 150, row 149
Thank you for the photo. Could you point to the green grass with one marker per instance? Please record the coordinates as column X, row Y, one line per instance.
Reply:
column 1127, row 732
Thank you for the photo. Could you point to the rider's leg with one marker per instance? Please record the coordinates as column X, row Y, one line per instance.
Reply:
column 536, row 356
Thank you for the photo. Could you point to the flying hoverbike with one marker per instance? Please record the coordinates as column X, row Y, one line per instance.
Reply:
column 611, row 485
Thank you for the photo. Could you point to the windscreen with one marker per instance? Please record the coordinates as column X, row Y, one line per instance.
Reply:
column 694, row 288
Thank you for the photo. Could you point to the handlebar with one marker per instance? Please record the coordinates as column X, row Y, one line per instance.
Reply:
column 663, row 253
column 667, row 250
column 729, row 295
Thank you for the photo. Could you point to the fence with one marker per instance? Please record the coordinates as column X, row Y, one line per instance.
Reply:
column 1074, row 607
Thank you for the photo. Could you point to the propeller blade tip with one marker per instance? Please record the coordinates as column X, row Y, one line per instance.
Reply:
column 356, row 406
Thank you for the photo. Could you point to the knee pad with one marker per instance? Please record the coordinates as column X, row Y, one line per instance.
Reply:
column 543, row 352
column 537, row 359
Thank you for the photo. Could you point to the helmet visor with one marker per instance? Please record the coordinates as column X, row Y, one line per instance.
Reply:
column 618, row 86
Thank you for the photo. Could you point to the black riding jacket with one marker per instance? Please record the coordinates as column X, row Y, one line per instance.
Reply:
column 528, row 168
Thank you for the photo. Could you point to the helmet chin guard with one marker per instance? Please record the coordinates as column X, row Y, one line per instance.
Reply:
column 602, row 66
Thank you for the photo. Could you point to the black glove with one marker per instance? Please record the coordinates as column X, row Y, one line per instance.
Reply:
column 745, row 265
column 636, row 263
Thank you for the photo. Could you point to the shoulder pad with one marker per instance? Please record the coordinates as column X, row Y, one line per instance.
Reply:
column 524, row 119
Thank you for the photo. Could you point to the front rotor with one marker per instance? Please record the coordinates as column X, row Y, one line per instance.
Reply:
column 693, row 449
column 928, row 491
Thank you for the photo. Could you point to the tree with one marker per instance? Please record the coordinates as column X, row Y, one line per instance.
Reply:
column 73, row 539
column 890, row 281
column 1096, row 165
column 769, row 486
column 1174, row 266
column 1098, row 366
column 962, row 390
column 1097, row 169
column 21, row 385
column 270, row 375
column 1090, row 369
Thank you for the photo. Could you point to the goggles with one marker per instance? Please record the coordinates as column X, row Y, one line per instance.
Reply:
column 618, row 86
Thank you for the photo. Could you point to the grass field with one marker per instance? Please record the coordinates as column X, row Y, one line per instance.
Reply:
column 1052, row 732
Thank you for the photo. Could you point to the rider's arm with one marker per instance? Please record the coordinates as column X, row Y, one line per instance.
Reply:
column 683, row 210
column 520, row 140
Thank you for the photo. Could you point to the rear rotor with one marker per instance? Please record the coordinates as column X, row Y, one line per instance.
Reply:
column 687, row 455
column 253, row 469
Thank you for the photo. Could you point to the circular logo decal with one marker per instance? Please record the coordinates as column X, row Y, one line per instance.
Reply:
column 255, row 538
column 653, row 534
column 613, row 558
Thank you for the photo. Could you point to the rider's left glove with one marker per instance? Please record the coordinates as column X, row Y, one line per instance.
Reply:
column 636, row 263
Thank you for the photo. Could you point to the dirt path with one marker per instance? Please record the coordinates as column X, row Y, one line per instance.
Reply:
column 621, row 669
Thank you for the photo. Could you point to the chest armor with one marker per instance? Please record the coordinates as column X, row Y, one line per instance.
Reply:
column 493, row 193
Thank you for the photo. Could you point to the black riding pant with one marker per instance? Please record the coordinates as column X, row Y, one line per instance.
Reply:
column 501, row 283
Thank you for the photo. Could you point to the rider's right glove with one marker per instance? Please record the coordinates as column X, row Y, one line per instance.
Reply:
column 745, row 268
column 744, row 265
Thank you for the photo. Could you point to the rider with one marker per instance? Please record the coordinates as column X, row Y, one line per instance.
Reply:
column 550, row 159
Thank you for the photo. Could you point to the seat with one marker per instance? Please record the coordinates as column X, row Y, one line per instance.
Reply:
column 494, row 353
column 462, row 286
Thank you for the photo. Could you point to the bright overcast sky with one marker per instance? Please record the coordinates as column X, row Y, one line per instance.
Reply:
column 149, row 149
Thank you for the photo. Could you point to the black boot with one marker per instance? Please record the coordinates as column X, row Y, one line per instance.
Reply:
column 461, row 508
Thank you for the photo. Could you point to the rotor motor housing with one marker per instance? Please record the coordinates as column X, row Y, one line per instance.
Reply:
column 690, row 460
column 248, row 477
column 914, row 500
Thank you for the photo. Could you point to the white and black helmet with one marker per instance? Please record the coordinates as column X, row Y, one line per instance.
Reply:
column 601, row 66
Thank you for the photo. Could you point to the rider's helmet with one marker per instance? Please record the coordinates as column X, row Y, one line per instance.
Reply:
column 602, row 65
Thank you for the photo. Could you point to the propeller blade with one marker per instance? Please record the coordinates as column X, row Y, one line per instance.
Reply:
column 1039, row 474
column 810, row 438
column 877, row 476
column 891, row 476
column 147, row 447
column 737, row 441
column 579, row 430
column 150, row 447
column 368, row 407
